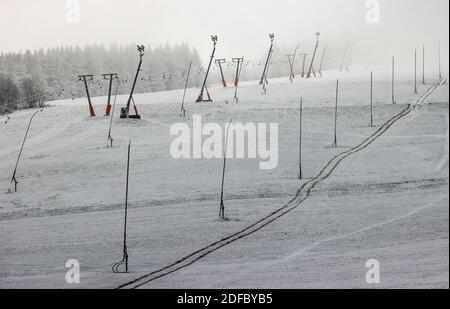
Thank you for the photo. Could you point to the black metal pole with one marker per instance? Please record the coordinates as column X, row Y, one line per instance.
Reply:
column 124, row 260
column 314, row 56
column 13, row 179
column 304, row 65
column 300, row 174
column 263, row 77
column 335, row 144
column 347, row 47
column 415, row 70
column 87, row 91
column 293, row 60
column 393, row 80
column 110, row 90
column 240, row 64
column 222, row 204
column 423, row 64
column 266, row 66
column 291, row 73
column 183, row 110
column 110, row 139
column 200, row 97
column 371, row 99
column 141, row 50
column 440, row 64
column 321, row 61
column 125, row 249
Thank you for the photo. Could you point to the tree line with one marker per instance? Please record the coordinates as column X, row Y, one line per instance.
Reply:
column 28, row 78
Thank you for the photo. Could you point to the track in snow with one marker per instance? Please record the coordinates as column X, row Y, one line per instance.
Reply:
column 302, row 194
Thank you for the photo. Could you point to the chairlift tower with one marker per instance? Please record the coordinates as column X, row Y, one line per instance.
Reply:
column 219, row 63
column 303, row 64
column 110, row 77
column 85, row 79
column 291, row 67
column 239, row 65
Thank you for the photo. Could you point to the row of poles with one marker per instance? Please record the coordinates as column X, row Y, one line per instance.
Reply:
column 125, row 111
column 239, row 63
column 113, row 76
column 110, row 111
column 222, row 214
column 205, row 96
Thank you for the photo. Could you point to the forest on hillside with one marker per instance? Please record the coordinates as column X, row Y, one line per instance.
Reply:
column 28, row 79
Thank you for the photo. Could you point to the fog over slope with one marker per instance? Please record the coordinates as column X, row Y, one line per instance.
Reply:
column 242, row 26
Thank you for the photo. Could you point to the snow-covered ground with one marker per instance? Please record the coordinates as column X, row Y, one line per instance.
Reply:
column 387, row 202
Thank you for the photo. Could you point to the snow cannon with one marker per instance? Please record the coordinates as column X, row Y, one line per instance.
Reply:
column 125, row 111
column 200, row 98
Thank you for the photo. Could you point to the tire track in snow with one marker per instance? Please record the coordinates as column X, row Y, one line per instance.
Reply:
column 443, row 157
column 399, row 218
column 302, row 194
column 300, row 252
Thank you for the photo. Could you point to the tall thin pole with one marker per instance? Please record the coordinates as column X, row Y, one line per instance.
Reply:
column 124, row 260
column 240, row 65
column 293, row 60
column 264, row 74
column 300, row 174
column 108, row 106
column 335, row 144
column 304, row 64
column 200, row 97
column 125, row 249
column 321, row 61
column 393, row 80
column 291, row 74
column 371, row 99
column 222, row 204
column 440, row 64
column 347, row 47
column 13, row 179
column 110, row 139
column 183, row 110
column 423, row 64
column 314, row 56
column 415, row 71
column 266, row 81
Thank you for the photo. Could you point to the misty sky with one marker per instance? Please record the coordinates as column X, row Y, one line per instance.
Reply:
column 242, row 25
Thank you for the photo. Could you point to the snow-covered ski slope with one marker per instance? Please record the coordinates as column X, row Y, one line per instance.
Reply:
column 386, row 201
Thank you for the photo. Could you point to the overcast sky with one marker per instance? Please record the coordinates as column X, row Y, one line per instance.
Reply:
column 242, row 25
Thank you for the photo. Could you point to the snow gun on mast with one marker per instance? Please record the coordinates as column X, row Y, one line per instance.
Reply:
column 200, row 98
column 269, row 56
column 125, row 111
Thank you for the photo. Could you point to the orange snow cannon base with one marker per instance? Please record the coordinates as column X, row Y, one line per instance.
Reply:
column 91, row 111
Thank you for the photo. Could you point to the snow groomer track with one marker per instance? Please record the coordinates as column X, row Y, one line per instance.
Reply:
column 302, row 194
